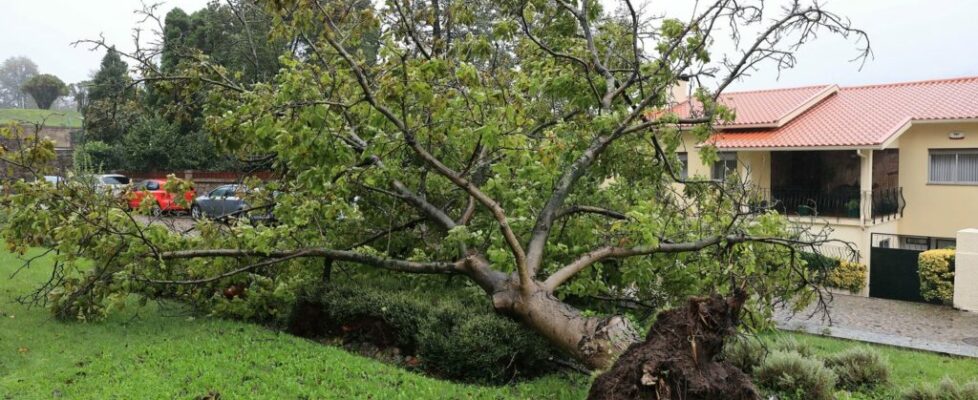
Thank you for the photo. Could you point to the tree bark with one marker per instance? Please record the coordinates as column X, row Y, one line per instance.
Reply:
column 594, row 341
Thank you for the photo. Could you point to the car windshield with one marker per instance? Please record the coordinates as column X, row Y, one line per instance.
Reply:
column 115, row 180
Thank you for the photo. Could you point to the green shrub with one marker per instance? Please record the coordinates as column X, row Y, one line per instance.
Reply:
column 936, row 269
column 788, row 344
column 847, row 275
column 744, row 353
column 793, row 376
column 947, row 389
column 859, row 367
column 462, row 340
column 835, row 273
column 482, row 347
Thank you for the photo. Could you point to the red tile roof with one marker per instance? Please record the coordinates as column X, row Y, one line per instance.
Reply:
column 764, row 108
column 858, row 116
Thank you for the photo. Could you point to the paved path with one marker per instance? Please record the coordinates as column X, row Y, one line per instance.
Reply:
column 898, row 323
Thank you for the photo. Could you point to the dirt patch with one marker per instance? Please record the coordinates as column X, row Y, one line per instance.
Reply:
column 678, row 359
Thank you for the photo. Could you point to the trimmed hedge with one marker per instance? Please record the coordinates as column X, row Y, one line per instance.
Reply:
column 936, row 270
column 847, row 275
column 461, row 340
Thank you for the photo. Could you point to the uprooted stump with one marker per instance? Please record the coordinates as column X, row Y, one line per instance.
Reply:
column 678, row 359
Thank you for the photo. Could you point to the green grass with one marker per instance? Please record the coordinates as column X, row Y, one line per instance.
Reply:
column 907, row 367
column 143, row 354
column 53, row 118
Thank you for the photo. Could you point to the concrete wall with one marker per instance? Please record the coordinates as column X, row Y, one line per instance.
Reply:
column 935, row 209
column 966, row 271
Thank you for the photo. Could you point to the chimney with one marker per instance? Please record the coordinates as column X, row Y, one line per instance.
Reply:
column 679, row 92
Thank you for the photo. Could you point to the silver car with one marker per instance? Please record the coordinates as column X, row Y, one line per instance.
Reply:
column 112, row 183
column 219, row 202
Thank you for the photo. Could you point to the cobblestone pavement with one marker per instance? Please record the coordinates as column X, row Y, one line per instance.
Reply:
column 898, row 323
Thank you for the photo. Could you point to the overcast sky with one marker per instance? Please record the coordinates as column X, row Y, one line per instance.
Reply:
column 912, row 39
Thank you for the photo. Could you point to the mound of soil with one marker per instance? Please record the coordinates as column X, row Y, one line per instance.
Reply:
column 678, row 359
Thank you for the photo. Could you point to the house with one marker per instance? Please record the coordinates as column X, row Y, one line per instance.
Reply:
column 892, row 168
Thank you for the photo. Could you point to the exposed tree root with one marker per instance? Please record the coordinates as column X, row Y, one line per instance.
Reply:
column 678, row 359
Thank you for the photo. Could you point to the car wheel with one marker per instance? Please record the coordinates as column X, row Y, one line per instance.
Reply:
column 156, row 211
column 195, row 212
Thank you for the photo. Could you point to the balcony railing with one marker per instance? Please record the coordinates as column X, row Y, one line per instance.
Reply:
column 878, row 205
column 887, row 204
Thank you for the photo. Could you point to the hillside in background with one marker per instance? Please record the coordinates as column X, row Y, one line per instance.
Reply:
column 52, row 118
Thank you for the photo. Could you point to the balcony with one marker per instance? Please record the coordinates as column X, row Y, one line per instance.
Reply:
column 878, row 205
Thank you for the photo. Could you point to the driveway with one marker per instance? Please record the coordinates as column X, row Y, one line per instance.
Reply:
column 899, row 323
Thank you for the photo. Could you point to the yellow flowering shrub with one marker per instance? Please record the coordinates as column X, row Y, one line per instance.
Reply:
column 847, row 275
column 936, row 270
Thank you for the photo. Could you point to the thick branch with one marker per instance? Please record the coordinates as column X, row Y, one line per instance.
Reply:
column 434, row 267
column 576, row 209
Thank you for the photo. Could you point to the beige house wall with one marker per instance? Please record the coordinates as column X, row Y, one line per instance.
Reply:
column 935, row 209
column 755, row 165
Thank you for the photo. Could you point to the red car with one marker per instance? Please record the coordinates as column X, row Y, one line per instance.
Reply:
column 164, row 201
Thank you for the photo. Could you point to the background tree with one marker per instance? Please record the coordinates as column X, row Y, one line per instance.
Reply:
column 14, row 72
column 110, row 105
column 536, row 163
column 45, row 89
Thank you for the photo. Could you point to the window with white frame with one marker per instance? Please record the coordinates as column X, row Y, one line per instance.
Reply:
column 959, row 166
column 725, row 164
column 683, row 165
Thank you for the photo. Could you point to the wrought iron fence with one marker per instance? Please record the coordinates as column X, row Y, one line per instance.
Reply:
column 879, row 205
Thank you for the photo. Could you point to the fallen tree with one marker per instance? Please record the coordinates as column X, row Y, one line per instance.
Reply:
column 528, row 147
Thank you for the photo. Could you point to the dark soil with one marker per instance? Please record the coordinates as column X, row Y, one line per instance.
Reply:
column 679, row 357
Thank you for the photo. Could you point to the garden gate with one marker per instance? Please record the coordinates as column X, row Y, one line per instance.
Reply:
column 893, row 264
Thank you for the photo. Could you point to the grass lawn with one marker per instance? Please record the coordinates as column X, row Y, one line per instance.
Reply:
column 54, row 118
column 143, row 354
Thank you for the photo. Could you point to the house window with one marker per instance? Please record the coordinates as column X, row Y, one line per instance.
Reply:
column 683, row 165
column 954, row 166
column 725, row 164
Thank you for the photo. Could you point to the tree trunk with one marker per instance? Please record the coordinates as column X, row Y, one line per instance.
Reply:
column 594, row 341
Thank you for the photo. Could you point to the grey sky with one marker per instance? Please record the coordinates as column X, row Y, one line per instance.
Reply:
column 912, row 39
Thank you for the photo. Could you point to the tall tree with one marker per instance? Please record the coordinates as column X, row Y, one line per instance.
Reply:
column 110, row 104
column 176, row 33
column 45, row 89
column 539, row 179
column 14, row 72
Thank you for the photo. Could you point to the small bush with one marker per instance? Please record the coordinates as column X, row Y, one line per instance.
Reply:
column 790, row 344
column 744, row 353
column 947, row 389
column 936, row 269
column 793, row 376
column 847, row 275
column 482, row 347
column 456, row 340
column 835, row 273
column 859, row 367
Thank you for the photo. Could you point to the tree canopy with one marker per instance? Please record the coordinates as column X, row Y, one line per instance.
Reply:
column 527, row 148
column 45, row 89
column 14, row 72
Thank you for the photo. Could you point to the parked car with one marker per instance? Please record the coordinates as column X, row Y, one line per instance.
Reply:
column 54, row 179
column 108, row 183
column 165, row 201
column 226, row 201
column 112, row 183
